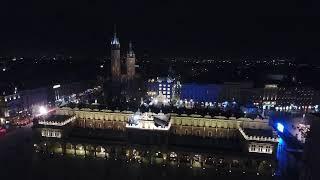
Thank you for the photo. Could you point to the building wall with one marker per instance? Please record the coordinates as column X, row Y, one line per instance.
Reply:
column 217, row 127
column 115, row 64
column 200, row 92
column 131, row 70
column 165, row 86
column 181, row 125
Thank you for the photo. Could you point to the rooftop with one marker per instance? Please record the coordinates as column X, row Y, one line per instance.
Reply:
column 58, row 118
column 259, row 132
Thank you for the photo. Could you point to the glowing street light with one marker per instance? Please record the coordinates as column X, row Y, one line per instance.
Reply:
column 280, row 127
column 43, row 110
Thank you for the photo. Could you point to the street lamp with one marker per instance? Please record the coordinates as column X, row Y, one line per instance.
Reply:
column 43, row 110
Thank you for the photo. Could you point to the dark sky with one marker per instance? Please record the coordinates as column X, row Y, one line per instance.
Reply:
column 162, row 27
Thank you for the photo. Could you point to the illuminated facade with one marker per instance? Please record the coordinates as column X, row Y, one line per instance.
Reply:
column 52, row 125
column 115, row 58
column 237, row 163
column 168, row 87
column 130, row 62
column 206, row 128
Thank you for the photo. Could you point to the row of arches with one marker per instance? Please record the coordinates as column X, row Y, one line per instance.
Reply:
column 161, row 157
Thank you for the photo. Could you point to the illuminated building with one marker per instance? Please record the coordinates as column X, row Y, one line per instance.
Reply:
column 251, row 135
column 131, row 62
column 52, row 125
column 200, row 92
column 270, row 93
column 115, row 57
column 281, row 98
column 122, row 87
column 168, row 87
column 299, row 96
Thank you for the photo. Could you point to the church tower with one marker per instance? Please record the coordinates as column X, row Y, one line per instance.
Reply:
column 115, row 57
column 130, row 62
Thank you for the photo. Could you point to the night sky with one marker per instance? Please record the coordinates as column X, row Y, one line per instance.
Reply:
column 162, row 28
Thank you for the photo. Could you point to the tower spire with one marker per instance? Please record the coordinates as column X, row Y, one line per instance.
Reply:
column 115, row 40
column 130, row 50
column 114, row 30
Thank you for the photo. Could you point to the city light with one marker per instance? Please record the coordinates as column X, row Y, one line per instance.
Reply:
column 43, row 110
column 280, row 127
column 56, row 86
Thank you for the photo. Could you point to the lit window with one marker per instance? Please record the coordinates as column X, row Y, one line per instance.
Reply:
column 168, row 92
column 164, row 85
column 160, row 84
column 168, row 89
column 160, row 88
column 168, row 85
column 164, row 89
column 168, row 96
column 164, row 92
column 5, row 99
column 209, row 133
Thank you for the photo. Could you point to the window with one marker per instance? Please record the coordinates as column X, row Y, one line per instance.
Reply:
column 268, row 149
column 44, row 132
column 168, row 85
column 160, row 88
column 186, row 132
column 210, row 134
column 253, row 147
column 168, row 92
column 160, row 84
column 168, row 96
column 198, row 133
column 260, row 148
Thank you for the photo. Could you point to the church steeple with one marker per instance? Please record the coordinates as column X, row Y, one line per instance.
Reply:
column 115, row 41
column 115, row 57
column 130, row 50
column 131, row 61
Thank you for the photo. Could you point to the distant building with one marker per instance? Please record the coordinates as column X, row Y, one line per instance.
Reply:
column 131, row 62
column 130, row 59
column 168, row 87
column 25, row 101
column 200, row 92
column 115, row 58
column 299, row 96
column 269, row 97
column 122, row 87
column 273, row 96
column 241, row 92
